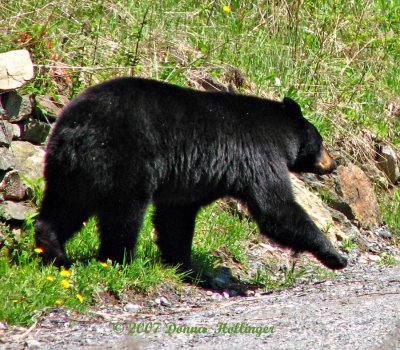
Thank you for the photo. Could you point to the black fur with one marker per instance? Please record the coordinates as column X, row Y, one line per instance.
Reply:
column 127, row 142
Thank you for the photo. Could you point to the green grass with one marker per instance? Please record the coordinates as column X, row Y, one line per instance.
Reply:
column 347, row 245
column 29, row 289
column 390, row 211
column 338, row 59
column 289, row 276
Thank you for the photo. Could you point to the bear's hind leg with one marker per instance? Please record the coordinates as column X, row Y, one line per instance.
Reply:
column 119, row 227
column 175, row 229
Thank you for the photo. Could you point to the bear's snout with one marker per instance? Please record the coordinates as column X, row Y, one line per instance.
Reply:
column 326, row 163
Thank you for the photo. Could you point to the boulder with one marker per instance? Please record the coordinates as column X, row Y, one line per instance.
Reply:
column 16, row 210
column 47, row 108
column 358, row 200
column 35, row 131
column 6, row 133
column 16, row 69
column 7, row 160
column 16, row 130
column 29, row 159
column 14, row 107
column 318, row 211
column 387, row 162
column 376, row 176
column 12, row 186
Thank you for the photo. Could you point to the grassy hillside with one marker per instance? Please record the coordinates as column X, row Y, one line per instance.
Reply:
column 338, row 59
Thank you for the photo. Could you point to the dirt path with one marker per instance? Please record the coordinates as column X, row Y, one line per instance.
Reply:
column 360, row 309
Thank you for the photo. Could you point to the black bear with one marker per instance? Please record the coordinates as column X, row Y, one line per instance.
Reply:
column 127, row 142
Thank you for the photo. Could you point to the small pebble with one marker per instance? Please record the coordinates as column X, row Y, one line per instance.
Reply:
column 32, row 343
column 216, row 296
column 164, row 301
column 131, row 307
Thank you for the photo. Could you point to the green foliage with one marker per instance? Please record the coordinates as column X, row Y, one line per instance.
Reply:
column 28, row 289
column 35, row 189
column 288, row 276
column 390, row 211
column 338, row 59
column 389, row 260
column 347, row 245
column 221, row 233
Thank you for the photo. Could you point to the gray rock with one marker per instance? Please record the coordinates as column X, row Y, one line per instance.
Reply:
column 31, row 343
column 35, row 131
column 387, row 162
column 7, row 160
column 377, row 176
column 15, row 107
column 341, row 206
column 16, row 210
column 383, row 232
column 164, row 301
column 222, row 278
column 16, row 69
column 62, row 100
column 216, row 296
column 47, row 108
column 316, row 208
column 6, row 133
column 16, row 131
column 344, row 223
column 12, row 186
column 132, row 307
column 29, row 159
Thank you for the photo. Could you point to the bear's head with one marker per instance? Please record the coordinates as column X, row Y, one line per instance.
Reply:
column 312, row 156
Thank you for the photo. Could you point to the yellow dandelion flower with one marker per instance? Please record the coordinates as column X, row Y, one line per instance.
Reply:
column 80, row 297
column 65, row 273
column 50, row 278
column 226, row 9
column 14, row 301
column 65, row 284
column 104, row 264
column 38, row 250
column 58, row 302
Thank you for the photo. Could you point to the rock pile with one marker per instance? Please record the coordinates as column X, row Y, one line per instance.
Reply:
column 25, row 123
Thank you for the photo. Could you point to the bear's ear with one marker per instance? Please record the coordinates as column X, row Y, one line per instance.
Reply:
column 292, row 107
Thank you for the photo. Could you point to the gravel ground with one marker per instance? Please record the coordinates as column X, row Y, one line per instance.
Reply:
column 360, row 309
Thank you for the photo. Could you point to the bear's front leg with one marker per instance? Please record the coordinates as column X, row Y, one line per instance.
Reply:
column 286, row 223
